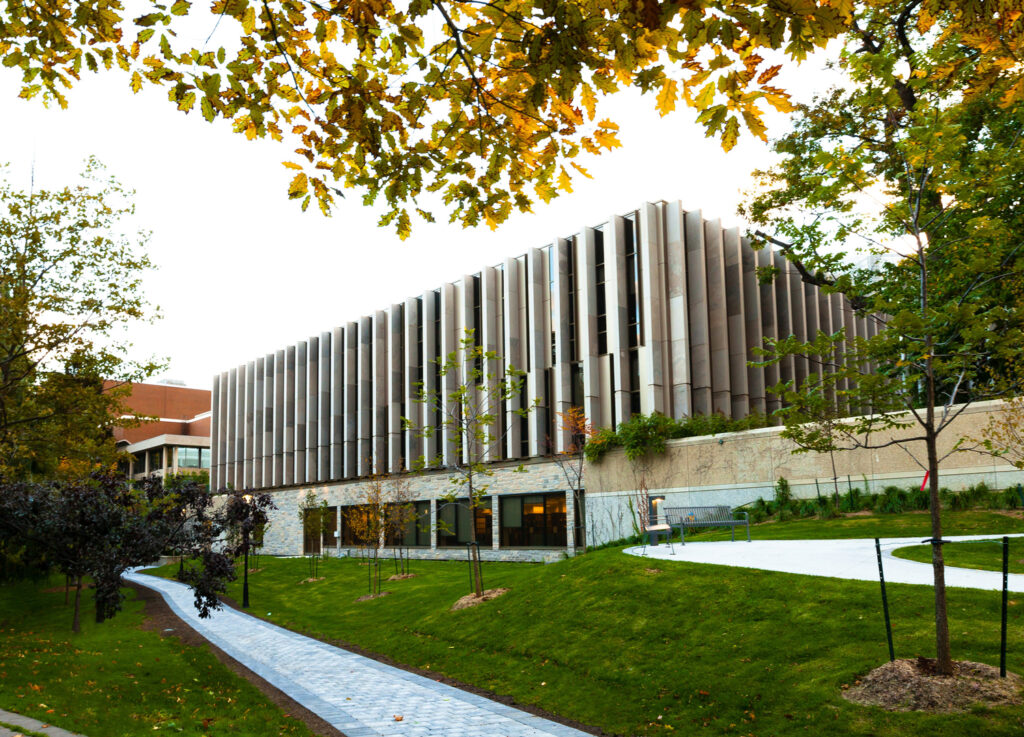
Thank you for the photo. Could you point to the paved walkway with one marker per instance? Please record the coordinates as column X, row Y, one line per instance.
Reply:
column 30, row 725
column 357, row 695
column 853, row 559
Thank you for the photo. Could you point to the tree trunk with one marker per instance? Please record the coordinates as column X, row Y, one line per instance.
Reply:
column 75, row 623
column 943, row 656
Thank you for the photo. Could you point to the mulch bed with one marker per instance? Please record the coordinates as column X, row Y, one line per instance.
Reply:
column 367, row 597
column 402, row 576
column 472, row 599
column 913, row 685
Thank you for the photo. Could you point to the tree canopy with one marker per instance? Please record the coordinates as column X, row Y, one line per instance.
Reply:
column 478, row 107
column 70, row 283
column 901, row 190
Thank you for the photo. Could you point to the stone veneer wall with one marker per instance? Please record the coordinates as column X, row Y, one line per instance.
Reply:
column 284, row 536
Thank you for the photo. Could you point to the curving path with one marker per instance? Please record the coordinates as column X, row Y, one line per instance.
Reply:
column 357, row 695
column 852, row 559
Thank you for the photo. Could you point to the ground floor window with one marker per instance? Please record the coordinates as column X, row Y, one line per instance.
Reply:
column 458, row 523
column 417, row 530
column 533, row 521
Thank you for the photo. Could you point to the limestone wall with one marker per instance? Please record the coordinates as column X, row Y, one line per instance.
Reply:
column 737, row 468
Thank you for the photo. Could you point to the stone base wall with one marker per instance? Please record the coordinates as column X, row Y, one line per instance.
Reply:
column 507, row 555
column 284, row 535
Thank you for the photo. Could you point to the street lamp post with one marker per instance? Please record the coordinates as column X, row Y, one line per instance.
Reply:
column 245, row 551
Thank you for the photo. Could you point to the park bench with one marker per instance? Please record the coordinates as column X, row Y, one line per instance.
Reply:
column 700, row 517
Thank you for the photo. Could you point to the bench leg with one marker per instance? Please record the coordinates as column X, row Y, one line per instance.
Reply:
column 732, row 532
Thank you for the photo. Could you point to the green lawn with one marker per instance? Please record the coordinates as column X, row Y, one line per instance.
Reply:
column 114, row 679
column 986, row 556
column 907, row 524
column 608, row 640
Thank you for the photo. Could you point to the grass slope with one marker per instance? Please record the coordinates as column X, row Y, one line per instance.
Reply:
column 907, row 524
column 695, row 649
column 114, row 678
column 986, row 556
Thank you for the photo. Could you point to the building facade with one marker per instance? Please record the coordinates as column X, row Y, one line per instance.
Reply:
column 658, row 309
column 176, row 440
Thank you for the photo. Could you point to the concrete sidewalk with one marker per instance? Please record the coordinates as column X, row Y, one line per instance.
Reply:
column 852, row 559
column 357, row 695
column 29, row 725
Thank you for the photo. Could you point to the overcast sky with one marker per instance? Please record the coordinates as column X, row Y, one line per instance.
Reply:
column 242, row 271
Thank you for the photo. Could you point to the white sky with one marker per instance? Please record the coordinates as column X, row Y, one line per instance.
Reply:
column 242, row 271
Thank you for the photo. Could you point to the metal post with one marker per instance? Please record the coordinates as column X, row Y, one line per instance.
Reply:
column 469, row 559
column 1002, row 637
column 885, row 600
column 245, row 576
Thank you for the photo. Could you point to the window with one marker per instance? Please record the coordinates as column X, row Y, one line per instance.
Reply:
column 188, row 457
column 156, row 460
column 204, row 457
column 417, row 531
column 533, row 521
column 457, row 524
column 602, row 305
column 634, row 327
column 478, row 329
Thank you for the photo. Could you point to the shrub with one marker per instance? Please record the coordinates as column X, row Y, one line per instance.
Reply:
column 783, row 494
column 978, row 494
column 893, row 500
column 1010, row 498
column 785, row 514
column 827, row 509
column 920, row 498
column 758, row 514
column 959, row 502
column 807, row 508
column 851, row 501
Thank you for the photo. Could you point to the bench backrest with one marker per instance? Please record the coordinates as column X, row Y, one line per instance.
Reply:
column 694, row 516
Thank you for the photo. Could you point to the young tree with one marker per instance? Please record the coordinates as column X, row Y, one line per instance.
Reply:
column 572, row 461
column 915, row 165
column 70, row 283
column 382, row 515
column 313, row 517
column 470, row 422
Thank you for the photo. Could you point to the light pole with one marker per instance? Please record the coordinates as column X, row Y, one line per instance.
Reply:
column 245, row 551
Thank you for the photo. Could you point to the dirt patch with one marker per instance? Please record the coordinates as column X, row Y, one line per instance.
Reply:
column 860, row 513
column 472, row 599
column 913, row 685
column 367, row 597
column 312, row 580
column 160, row 618
column 652, row 571
column 402, row 576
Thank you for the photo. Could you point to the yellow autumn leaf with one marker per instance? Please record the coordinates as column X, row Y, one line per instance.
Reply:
column 292, row 165
column 589, row 100
column 136, row 82
column 564, row 180
column 298, row 187
column 667, row 97
column 731, row 134
column 705, row 97
column 778, row 99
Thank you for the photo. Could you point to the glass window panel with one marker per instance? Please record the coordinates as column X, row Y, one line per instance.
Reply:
column 483, row 522
column 204, row 457
column 188, row 457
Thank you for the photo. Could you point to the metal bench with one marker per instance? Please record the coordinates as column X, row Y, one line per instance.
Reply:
column 700, row 517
